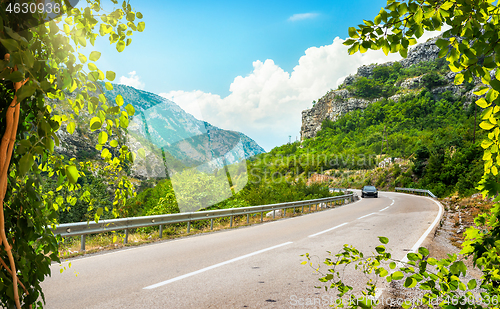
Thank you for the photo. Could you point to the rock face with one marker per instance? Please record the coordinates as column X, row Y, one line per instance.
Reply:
column 336, row 103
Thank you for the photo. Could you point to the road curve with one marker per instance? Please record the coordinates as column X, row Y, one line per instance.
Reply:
column 249, row 267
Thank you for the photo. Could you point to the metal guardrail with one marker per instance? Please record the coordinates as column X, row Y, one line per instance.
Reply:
column 417, row 191
column 103, row 226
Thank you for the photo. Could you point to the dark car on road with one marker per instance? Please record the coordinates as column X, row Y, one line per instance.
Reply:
column 369, row 191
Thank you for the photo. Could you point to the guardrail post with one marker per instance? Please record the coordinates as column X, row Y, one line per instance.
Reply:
column 231, row 222
column 316, row 207
column 284, row 213
column 212, row 224
column 189, row 227
column 82, row 246
column 125, row 241
column 274, row 214
column 261, row 216
column 302, row 208
column 309, row 208
column 161, row 231
column 248, row 218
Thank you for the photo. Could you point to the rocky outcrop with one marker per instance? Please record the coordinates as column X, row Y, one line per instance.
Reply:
column 339, row 102
column 332, row 106
column 427, row 51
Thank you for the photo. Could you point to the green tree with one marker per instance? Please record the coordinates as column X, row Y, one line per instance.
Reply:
column 41, row 65
column 471, row 45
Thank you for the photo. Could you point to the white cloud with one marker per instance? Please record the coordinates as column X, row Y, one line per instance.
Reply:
column 132, row 80
column 296, row 17
column 192, row 102
column 267, row 104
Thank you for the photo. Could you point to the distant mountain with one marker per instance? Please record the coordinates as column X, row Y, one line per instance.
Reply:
column 173, row 139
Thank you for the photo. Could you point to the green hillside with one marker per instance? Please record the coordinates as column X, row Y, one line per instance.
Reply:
column 435, row 134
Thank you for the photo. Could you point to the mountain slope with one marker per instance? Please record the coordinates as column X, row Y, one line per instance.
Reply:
column 172, row 138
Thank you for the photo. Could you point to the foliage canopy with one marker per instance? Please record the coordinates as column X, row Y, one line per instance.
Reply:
column 41, row 66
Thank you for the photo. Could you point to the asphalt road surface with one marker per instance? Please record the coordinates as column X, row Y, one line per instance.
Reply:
column 257, row 266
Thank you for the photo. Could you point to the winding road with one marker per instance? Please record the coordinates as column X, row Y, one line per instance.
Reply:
column 256, row 266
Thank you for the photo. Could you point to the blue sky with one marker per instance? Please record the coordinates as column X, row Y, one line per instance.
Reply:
column 250, row 66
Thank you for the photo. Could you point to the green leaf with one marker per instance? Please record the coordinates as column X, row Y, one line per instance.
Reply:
column 481, row 91
column 383, row 240
column 495, row 84
column 82, row 58
column 138, row 15
column 410, row 282
column 24, row 92
column 15, row 76
column 352, row 32
column 141, row 26
column 113, row 143
column 383, row 272
column 447, row 5
column 119, row 100
column 92, row 67
column 130, row 16
column 10, row 44
column 443, row 52
column 72, row 173
column 419, row 15
column 380, row 249
column 472, row 284
column 25, row 163
column 459, row 79
column 413, row 257
column 482, row 103
column 403, row 52
column 110, row 75
column 95, row 123
column 99, row 211
column 71, row 127
column 103, row 137
column 423, row 251
column 397, row 275
column 392, row 265
column 105, row 153
column 353, row 49
column 486, row 125
column 130, row 109
column 386, row 48
column 442, row 43
column 124, row 120
column 486, row 143
column 94, row 56
column 120, row 46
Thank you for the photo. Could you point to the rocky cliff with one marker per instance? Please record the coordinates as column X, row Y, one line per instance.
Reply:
column 343, row 100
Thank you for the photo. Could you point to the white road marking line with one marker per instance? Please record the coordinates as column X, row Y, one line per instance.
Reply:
column 388, row 206
column 366, row 215
column 214, row 266
column 426, row 233
column 330, row 229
